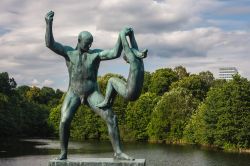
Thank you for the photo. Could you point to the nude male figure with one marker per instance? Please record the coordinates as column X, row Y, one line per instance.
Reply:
column 83, row 64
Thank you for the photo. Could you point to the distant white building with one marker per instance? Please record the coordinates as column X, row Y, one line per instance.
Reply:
column 227, row 72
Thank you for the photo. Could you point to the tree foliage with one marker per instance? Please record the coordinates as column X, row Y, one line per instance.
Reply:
column 181, row 72
column 146, row 82
column 6, row 84
column 198, row 85
column 171, row 114
column 224, row 116
column 21, row 114
column 161, row 80
column 138, row 115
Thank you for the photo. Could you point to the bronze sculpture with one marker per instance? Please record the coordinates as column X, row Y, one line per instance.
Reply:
column 83, row 64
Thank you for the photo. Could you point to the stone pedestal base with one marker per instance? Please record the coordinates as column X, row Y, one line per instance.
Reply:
column 97, row 162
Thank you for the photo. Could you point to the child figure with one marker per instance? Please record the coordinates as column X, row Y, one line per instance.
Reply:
column 131, row 89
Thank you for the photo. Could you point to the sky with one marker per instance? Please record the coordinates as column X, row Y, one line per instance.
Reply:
column 200, row 35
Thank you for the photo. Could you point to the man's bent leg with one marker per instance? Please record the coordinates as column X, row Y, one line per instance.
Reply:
column 69, row 107
column 110, row 118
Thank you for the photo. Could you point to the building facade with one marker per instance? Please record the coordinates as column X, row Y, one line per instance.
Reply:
column 227, row 72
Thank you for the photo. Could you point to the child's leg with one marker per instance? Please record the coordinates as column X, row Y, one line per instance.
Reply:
column 114, row 86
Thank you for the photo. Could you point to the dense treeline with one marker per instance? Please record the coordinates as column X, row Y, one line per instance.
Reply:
column 174, row 107
column 24, row 110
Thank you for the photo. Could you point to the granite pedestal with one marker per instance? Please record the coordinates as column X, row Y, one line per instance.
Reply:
column 97, row 162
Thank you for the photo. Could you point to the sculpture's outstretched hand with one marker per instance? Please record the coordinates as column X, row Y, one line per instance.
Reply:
column 49, row 17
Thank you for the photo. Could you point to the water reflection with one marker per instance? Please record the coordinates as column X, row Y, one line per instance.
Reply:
column 40, row 151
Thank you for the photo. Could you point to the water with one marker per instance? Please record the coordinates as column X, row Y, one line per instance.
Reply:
column 37, row 152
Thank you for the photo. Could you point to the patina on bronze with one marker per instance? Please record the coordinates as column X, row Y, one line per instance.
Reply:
column 83, row 63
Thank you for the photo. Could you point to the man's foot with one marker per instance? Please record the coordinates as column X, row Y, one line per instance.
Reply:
column 63, row 156
column 122, row 156
column 102, row 104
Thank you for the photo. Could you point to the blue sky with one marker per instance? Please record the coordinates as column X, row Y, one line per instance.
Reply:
column 198, row 34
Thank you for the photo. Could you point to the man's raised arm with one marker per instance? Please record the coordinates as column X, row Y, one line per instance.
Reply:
column 112, row 53
column 49, row 39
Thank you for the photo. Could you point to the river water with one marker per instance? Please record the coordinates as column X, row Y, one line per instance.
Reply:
column 37, row 152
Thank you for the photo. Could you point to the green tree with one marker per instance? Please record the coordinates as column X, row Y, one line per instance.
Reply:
column 49, row 96
column 171, row 114
column 161, row 80
column 46, row 95
column 138, row 115
column 181, row 72
column 8, row 113
column 22, row 90
column 224, row 115
column 207, row 77
column 6, row 84
column 58, row 94
column 34, row 94
column 146, row 82
column 4, row 100
column 198, row 85
column 195, row 130
column 54, row 119
column 21, row 114
column 218, row 83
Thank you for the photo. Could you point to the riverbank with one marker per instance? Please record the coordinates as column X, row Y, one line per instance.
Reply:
column 202, row 146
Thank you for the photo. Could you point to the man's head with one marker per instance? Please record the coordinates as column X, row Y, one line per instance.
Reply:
column 85, row 40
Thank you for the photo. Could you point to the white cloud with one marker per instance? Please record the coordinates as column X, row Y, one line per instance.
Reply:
column 35, row 82
column 43, row 83
column 151, row 16
column 48, row 83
